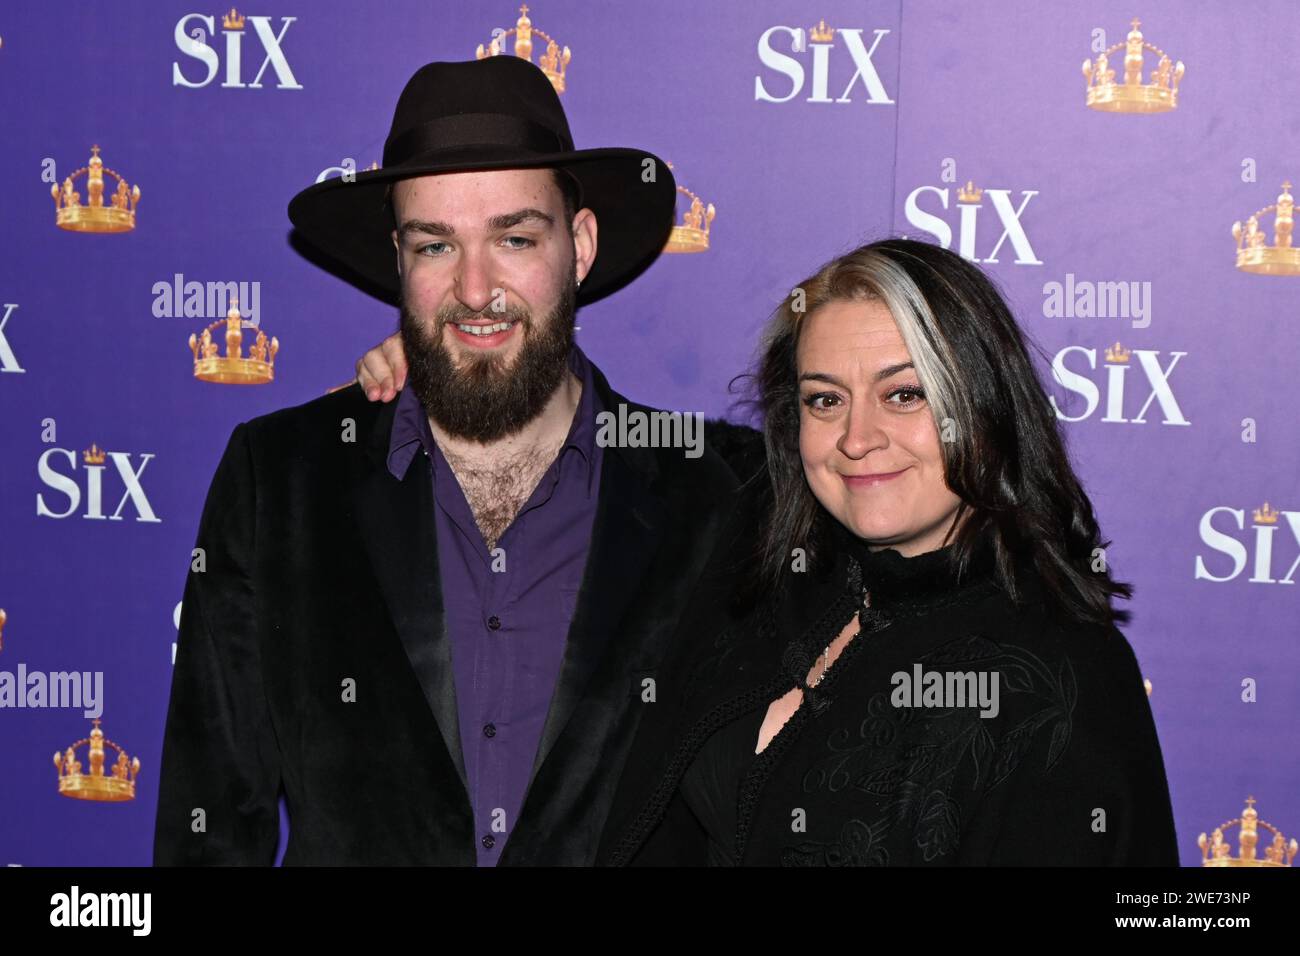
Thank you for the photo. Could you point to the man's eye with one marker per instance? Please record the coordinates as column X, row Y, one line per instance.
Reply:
column 420, row 251
column 525, row 242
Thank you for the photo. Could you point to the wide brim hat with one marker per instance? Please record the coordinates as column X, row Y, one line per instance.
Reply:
column 500, row 112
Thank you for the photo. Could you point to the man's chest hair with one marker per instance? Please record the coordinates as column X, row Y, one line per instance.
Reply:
column 497, row 488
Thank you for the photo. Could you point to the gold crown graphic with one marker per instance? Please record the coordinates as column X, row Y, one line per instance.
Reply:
column 1133, row 96
column 117, row 216
column 692, row 235
column 970, row 192
column 1215, row 851
column 234, row 368
column 1117, row 353
column 119, row 785
column 553, row 62
column 232, row 20
column 1266, row 515
column 821, row 33
column 3, row 617
column 1253, row 253
column 94, row 455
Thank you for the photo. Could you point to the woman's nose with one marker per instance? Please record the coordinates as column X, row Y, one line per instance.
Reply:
column 862, row 431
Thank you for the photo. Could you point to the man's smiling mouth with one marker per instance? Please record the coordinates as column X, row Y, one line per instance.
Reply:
column 484, row 329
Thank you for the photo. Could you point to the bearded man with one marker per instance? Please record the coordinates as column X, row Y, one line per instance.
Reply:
column 434, row 625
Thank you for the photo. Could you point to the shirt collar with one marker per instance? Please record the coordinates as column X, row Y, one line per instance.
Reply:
column 411, row 432
column 582, row 433
column 924, row 579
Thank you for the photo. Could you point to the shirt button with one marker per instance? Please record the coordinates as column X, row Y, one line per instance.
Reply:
column 494, row 623
column 489, row 841
column 490, row 730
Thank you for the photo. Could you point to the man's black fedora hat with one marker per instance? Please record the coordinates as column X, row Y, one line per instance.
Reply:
column 500, row 112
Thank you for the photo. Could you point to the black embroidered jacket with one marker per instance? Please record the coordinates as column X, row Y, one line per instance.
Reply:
column 1066, row 770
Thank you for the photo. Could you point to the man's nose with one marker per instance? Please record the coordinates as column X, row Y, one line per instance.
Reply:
column 474, row 281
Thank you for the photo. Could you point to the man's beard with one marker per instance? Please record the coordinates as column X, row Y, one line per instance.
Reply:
column 484, row 400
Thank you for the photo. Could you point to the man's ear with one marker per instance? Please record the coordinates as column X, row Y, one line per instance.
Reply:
column 584, row 241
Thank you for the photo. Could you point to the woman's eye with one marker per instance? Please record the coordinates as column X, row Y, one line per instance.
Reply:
column 821, row 401
column 914, row 396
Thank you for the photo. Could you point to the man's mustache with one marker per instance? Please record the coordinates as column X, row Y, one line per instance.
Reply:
column 513, row 314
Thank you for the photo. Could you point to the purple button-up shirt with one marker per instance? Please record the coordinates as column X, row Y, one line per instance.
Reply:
column 508, row 611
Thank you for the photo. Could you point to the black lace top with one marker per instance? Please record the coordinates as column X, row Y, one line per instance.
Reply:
column 862, row 775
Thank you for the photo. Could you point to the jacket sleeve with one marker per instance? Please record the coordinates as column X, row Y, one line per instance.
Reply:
column 1088, row 785
column 220, row 772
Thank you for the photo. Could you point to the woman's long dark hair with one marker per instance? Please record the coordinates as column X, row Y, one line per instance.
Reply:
column 1006, row 461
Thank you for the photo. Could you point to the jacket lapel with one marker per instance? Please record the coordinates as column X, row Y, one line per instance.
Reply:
column 395, row 520
column 625, row 535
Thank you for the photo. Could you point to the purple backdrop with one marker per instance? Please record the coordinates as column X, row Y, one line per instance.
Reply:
column 806, row 148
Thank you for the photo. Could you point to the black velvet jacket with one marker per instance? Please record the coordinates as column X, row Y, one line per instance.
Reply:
column 1069, row 771
column 321, row 568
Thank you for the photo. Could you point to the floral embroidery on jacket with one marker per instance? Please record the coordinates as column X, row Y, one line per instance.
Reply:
column 910, row 756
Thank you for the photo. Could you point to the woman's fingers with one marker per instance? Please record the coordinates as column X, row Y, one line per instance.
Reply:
column 396, row 356
column 382, row 370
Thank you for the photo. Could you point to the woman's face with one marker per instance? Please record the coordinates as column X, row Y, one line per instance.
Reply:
column 863, row 414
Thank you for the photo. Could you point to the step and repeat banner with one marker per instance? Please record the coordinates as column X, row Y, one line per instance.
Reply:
column 1124, row 171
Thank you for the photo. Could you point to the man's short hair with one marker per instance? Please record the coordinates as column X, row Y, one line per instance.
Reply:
column 569, row 189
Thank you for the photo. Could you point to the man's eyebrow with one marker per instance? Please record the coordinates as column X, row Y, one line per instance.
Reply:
column 880, row 376
column 511, row 219
column 421, row 225
column 504, row 221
